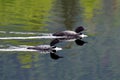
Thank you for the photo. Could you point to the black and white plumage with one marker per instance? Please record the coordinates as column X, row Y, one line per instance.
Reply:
column 47, row 49
column 70, row 36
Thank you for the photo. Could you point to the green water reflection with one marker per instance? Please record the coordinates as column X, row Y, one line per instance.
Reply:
column 24, row 15
column 97, row 60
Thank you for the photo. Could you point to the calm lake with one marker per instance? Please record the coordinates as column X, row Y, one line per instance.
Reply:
column 96, row 60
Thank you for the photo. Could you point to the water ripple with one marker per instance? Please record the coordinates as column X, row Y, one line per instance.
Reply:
column 31, row 37
column 33, row 33
column 20, row 48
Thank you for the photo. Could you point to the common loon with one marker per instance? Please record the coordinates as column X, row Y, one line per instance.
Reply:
column 70, row 36
column 47, row 49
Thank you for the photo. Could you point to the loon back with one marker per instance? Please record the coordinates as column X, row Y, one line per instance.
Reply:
column 41, row 48
column 47, row 49
column 65, row 33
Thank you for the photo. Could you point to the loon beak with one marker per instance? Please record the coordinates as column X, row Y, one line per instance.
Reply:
column 85, row 35
column 58, row 49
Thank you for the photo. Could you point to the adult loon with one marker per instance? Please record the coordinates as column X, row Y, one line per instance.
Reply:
column 70, row 36
column 47, row 49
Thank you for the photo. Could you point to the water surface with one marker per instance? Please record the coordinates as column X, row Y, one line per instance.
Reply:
column 97, row 60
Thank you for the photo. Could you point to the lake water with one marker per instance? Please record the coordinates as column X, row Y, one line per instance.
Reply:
column 96, row 60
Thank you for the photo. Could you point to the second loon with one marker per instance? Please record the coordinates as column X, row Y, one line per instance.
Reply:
column 70, row 36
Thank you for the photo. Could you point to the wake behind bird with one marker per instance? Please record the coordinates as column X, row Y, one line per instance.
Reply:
column 20, row 48
column 32, row 37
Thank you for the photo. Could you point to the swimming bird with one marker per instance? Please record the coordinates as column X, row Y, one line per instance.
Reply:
column 47, row 49
column 70, row 36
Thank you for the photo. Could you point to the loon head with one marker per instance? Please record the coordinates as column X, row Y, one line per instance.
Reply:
column 81, row 35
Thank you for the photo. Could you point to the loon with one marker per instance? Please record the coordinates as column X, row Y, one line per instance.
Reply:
column 70, row 36
column 47, row 49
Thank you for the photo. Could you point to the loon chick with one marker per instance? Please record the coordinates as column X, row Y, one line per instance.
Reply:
column 70, row 36
column 47, row 49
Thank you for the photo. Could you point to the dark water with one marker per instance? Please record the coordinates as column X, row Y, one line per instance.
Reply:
column 97, row 60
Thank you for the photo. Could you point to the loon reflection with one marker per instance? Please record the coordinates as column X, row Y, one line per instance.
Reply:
column 68, row 35
column 47, row 49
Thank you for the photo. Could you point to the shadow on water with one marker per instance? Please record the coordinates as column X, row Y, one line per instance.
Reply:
column 65, row 14
column 97, row 60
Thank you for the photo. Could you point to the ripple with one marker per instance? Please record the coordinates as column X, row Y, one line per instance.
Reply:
column 33, row 33
column 31, row 37
column 3, row 32
column 20, row 48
